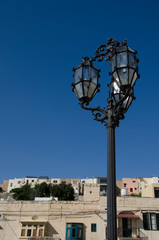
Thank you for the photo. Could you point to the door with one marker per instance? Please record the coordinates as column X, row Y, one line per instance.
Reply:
column 127, row 227
column 74, row 231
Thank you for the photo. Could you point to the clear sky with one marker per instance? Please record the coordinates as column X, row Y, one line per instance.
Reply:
column 43, row 130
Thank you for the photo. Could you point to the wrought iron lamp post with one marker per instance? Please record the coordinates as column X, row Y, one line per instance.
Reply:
column 124, row 72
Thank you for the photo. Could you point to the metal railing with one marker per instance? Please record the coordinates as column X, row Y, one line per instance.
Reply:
column 40, row 238
column 132, row 233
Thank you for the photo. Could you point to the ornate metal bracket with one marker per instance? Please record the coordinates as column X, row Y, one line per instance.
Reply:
column 106, row 51
column 99, row 114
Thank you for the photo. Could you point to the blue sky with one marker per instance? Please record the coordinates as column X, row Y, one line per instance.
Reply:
column 43, row 130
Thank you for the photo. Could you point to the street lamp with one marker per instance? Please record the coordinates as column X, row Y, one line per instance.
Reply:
column 124, row 72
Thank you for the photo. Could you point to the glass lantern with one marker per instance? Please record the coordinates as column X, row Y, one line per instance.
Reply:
column 124, row 68
column 85, row 83
column 119, row 96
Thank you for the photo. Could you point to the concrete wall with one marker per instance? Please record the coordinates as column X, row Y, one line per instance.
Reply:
column 91, row 193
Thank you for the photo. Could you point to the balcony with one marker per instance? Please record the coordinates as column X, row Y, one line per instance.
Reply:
column 133, row 233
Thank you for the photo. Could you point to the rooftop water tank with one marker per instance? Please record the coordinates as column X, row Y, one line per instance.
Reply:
column 124, row 192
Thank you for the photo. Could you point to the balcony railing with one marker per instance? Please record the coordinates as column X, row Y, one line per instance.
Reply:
column 132, row 233
column 39, row 238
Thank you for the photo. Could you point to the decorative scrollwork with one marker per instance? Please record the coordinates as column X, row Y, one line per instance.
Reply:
column 108, row 50
column 99, row 114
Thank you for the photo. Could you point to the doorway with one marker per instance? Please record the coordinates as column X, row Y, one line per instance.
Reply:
column 127, row 227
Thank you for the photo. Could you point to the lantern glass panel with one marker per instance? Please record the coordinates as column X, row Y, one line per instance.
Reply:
column 115, row 75
column 92, row 88
column 76, row 92
column 123, row 75
column 78, row 75
column 95, row 92
column 94, row 75
column 116, row 88
column 117, row 97
column 122, row 60
column 127, row 103
column 134, row 79
column 79, row 90
column 113, row 63
column 122, row 49
column 130, row 101
column 132, row 60
column 86, row 87
column 131, row 73
column 86, row 75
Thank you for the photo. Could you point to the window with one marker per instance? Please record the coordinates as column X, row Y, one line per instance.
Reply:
column 151, row 221
column 156, row 192
column 135, row 188
column 103, row 180
column 28, row 232
column 35, row 230
column 74, row 231
column 11, row 185
column 93, row 227
column 124, row 184
column 32, row 180
column 134, row 181
column 131, row 189
column 19, row 182
column 103, row 190
column 55, row 181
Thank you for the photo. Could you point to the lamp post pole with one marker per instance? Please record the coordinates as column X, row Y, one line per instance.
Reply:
column 111, row 180
column 124, row 71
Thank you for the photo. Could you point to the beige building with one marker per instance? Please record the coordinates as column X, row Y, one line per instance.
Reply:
column 86, row 219
column 145, row 182
column 151, row 191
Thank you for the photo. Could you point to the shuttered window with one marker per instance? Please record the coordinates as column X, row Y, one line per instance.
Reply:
column 93, row 227
column 151, row 221
column 29, row 230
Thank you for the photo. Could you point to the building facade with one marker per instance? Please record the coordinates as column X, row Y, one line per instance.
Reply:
column 131, row 184
column 86, row 219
